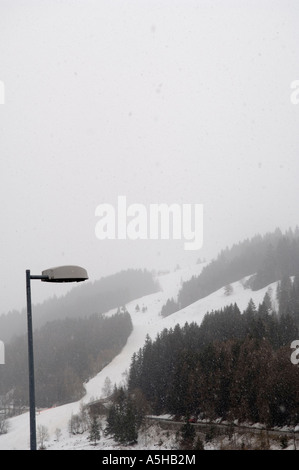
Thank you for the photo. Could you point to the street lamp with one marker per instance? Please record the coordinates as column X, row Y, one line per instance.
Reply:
column 58, row 274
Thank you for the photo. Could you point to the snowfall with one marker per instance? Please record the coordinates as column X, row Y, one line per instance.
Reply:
column 148, row 322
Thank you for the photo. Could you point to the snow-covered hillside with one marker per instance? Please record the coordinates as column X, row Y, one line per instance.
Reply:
column 147, row 322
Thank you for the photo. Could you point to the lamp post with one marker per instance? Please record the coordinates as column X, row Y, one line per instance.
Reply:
column 58, row 274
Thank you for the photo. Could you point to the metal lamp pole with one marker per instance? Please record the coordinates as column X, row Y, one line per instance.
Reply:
column 58, row 274
column 31, row 359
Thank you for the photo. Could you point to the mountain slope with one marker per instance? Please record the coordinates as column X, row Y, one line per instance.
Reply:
column 148, row 322
column 269, row 257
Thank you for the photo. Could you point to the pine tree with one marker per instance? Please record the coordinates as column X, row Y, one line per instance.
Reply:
column 284, row 296
column 188, row 435
column 267, row 303
column 111, row 425
column 129, row 434
column 94, row 431
column 122, row 419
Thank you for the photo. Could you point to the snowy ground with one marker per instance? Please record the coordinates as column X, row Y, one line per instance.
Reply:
column 148, row 322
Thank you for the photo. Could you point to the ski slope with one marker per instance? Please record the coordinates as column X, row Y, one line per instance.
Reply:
column 145, row 323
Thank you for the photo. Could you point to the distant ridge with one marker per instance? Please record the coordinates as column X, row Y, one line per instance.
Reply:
column 270, row 257
column 84, row 300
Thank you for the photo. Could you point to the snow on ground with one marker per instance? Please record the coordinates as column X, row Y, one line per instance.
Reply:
column 148, row 322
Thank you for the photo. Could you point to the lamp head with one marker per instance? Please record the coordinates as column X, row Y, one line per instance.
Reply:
column 65, row 274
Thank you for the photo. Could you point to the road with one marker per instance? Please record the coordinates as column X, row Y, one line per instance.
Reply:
column 226, row 428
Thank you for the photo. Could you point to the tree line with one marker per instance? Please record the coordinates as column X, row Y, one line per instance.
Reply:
column 265, row 258
column 67, row 353
column 234, row 366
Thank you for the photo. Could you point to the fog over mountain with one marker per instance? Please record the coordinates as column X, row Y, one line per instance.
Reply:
column 162, row 102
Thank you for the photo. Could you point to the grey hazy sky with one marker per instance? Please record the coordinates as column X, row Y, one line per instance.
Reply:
column 161, row 101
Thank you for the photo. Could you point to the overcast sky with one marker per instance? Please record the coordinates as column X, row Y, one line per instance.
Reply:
column 165, row 101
